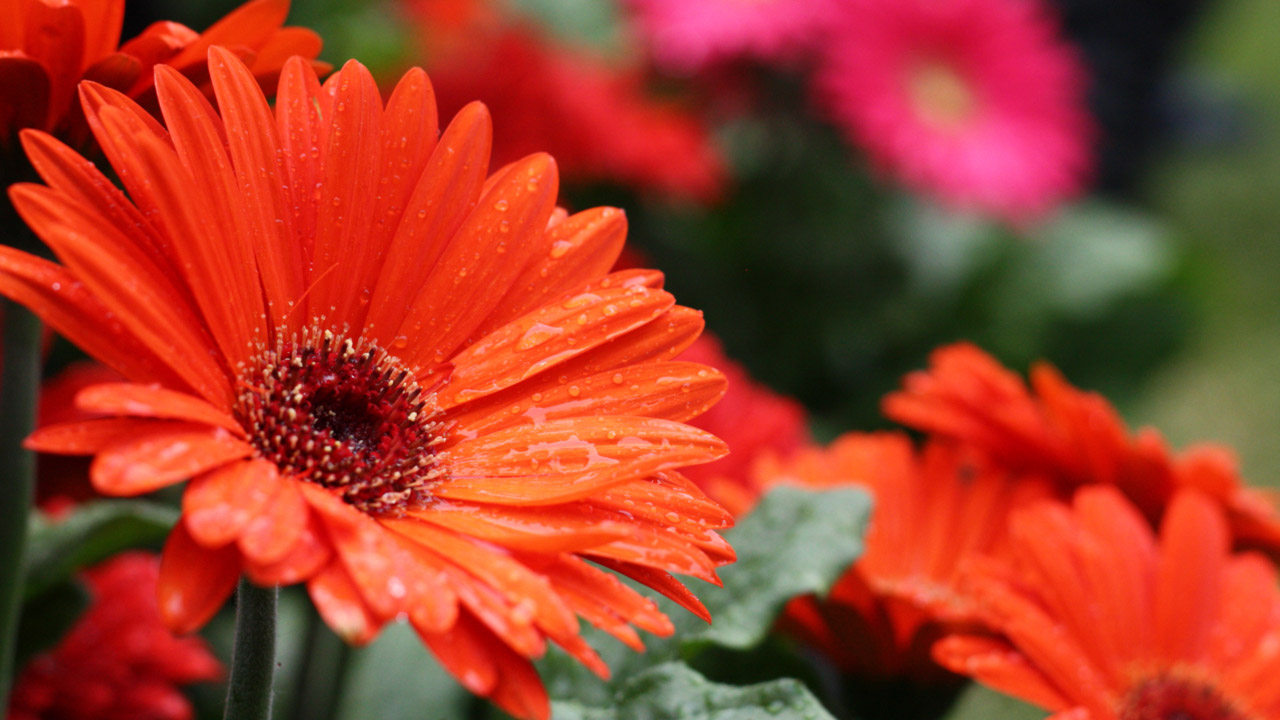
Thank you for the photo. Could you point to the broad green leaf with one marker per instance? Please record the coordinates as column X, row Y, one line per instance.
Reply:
column 93, row 532
column 675, row 692
column 795, row 542
column 47, row 617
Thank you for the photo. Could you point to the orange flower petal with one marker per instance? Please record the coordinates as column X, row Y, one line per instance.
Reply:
column 55, row 37
column 103, row 20
column 493, row 567
column 463, row 651
column 548, row 337
column 661, row 581
column 993, row 663
column 213, row 223
column 194, row 581
column 443, row 197
column 562, row 460
column 136, row 400
column 218, row 505
column 300, row 131
column 460, row 293
column 275, row 531
column 310, row 552
column 255, row 153
column 141, row 464
column 87, row 437
column 342, row 606
column 347, row 194
column 125, row 279
column 68, row 307
column 671, row 391
column 553, row 529
column 581, row 248
column 250, row 25
column 1194, row 546
column 370, row 556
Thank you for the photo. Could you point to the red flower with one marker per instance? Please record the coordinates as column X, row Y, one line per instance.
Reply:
column 47, row 47
column 935, row 511
column 410, row 386
column 596, row 120
column 976, row 102
column 118, row 662
column 1103, row 621
column 63, row 481
column 755, row 422
column 1072, row 437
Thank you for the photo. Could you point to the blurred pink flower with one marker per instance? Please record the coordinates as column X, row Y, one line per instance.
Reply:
column 977, row 102
column 684, row 36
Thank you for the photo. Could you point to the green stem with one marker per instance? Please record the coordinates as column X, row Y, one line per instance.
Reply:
column 253, row 659
column 19, row 388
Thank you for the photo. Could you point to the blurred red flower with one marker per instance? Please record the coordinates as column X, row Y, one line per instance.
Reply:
column 596, row 119
column 1071, row 437
column 935, row 511
column 754, row 420
column 118, row 662
column 976, row 102
column 47, row 47
column 1103, row 621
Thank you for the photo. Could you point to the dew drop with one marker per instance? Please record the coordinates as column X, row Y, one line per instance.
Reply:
column 537, row 397
column 574, row 391
column 559, row 248
column 501, row 205
column 537, row 334
column 617, row 378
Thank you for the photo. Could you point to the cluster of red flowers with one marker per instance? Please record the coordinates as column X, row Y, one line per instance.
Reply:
column 1018, row 545
column 977, row 103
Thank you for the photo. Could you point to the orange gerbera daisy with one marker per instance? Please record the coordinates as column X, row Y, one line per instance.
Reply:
column 1105, row 622
column 1070, row 436
column 47, row 47
column 935, row 510
column 412, row 387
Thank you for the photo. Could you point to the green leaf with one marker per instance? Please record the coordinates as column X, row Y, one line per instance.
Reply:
column 47, row 617
column 675, row 692
column 795, row 542
column 95, row 531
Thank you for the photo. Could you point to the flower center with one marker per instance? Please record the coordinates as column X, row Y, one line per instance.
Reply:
column 1167, row 697
column 941, row 96
column 344, row 415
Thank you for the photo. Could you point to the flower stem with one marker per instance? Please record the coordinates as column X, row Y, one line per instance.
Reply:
column 253, row 659
column 19, row 388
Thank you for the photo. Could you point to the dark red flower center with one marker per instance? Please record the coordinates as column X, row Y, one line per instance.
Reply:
column 345, row 415
column 1170, row 697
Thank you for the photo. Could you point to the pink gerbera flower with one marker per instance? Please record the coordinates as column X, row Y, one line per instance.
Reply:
column 684, row 36
column 976, row 102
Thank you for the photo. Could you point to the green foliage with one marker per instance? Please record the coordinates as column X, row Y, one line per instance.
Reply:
column 979, row 702
column 674, row 692
column 397, row 676
column 90, row 534
column 48, row 616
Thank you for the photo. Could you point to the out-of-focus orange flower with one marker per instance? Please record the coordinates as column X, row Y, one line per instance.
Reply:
column 394, row 377
column 1072, row 437
column 1103, row 621
column 48, row 46
column 119, row 661
column 935, row 511
column 595, row 119
column 754, row 420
